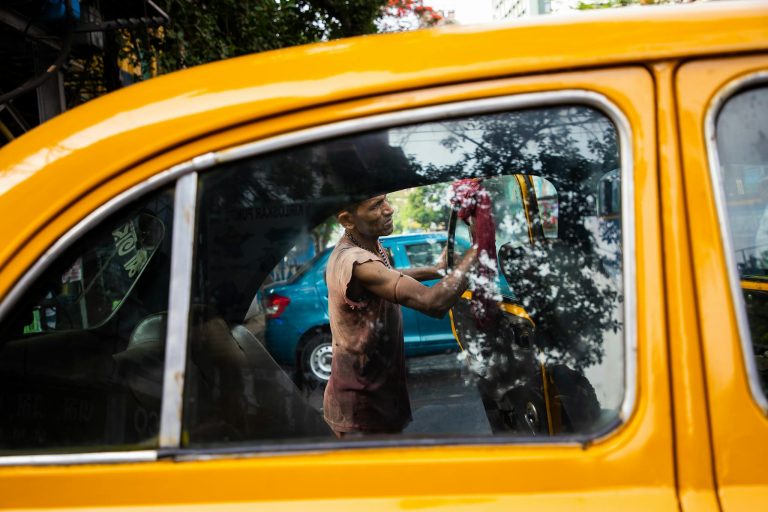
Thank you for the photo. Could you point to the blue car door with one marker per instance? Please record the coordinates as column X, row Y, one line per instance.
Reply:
column 434, row 335
column 410, row 316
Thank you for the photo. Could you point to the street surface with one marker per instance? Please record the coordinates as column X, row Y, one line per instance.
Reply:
column 442, row 402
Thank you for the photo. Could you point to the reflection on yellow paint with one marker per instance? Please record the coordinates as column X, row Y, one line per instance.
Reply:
column 443, row 503
column 512, row 309
column 755, row 285
column 453, row 330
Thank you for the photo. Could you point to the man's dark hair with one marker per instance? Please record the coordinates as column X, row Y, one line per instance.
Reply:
column 350, row 207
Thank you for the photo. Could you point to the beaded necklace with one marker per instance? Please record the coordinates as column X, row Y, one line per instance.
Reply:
column 379, row 249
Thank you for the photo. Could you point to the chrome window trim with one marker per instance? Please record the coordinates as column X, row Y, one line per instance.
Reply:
column 179, row 296
column 323, row 132
column 710, row 133
column 69, row 459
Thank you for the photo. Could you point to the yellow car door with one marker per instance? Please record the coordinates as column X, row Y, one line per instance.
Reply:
column 723, row 107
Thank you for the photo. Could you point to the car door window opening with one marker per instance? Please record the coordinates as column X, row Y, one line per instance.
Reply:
column 739, row 170
column 227, row 357
column 273, row 211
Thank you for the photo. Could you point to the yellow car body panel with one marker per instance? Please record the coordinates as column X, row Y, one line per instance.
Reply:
column 53, row 177
column 696, row 487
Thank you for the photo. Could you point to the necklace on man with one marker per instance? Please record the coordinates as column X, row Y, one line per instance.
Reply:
column 380, row 250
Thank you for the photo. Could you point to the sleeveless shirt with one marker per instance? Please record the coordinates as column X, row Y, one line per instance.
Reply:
column 367, row 389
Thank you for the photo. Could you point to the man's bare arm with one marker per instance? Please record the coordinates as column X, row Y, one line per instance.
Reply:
column 434, row 301
column 423, row 273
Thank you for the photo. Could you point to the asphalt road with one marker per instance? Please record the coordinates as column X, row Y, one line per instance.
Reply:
column 443, row 401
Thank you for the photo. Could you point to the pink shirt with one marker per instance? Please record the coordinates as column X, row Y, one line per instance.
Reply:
column 367, row 389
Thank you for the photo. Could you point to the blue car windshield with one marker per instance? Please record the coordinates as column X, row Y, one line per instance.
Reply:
column 306, row 267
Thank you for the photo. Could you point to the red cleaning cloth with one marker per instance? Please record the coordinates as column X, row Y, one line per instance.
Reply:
column 472, row 200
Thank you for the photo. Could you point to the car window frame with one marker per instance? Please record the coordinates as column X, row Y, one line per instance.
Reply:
column 91, row 221
column 716, row 104
column 186, row 175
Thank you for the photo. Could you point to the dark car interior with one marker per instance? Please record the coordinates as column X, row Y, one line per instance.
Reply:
column 84, row 364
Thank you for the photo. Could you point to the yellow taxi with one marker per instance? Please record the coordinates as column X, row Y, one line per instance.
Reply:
column 623, row 364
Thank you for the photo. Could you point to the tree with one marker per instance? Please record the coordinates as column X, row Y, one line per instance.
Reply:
column 202, row 31
column 323, row 233
column 205, row 31
column 425, row 209
column 402, row 15
column 568, row 288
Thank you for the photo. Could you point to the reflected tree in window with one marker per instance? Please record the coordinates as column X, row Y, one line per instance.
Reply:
column 570, row 286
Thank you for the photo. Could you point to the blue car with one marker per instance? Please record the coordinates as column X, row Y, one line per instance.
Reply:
column 298, row 332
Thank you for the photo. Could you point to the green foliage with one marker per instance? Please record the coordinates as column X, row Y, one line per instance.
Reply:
column 86, row 81
column 423, row 209
column 205, row 31
column 325, row 233
column 202, row 31
column 567, row 287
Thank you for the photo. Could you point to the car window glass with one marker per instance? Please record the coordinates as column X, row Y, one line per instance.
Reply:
column 87, row 293
column 609, row 195
column 424, row 254
column 742, row 146
column 549, row 361
column 462, row 240
column 509, row 213
column 546, row 199
column 298, row 304
column 81, row 354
